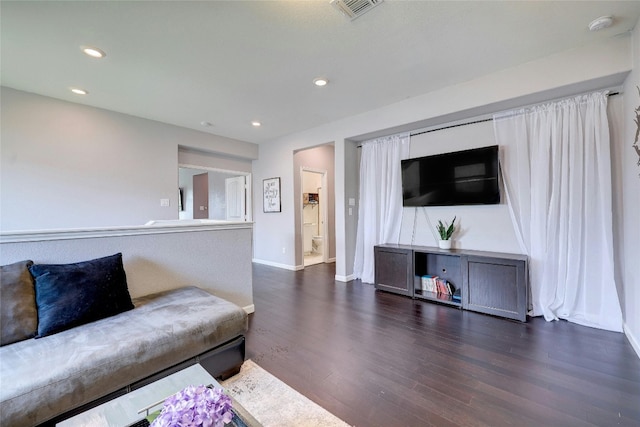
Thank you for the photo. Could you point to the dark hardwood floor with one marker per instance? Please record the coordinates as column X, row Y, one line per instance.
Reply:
column 378, row 359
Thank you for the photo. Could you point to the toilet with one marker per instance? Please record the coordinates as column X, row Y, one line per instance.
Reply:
column 308, row 237
column 317, row 244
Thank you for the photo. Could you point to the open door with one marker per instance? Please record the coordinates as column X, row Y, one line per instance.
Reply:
column 201, row 196
column 236, row 193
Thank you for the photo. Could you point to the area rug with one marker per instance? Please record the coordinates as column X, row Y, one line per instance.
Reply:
column 273, row 403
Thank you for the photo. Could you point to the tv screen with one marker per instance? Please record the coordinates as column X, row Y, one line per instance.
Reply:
column 468, row 177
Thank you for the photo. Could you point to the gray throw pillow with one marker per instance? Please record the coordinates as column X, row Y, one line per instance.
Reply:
column 18, row 314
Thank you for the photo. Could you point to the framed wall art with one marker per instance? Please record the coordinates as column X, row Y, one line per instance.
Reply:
column 271, row 195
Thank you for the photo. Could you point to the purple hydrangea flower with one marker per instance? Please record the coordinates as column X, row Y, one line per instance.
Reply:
column 196, row 406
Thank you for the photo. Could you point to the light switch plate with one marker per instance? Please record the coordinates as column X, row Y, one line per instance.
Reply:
column 164, row 202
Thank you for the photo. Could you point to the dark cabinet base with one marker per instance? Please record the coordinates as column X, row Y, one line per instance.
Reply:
column 496, row 286
column 488, row 282
column 396, row 274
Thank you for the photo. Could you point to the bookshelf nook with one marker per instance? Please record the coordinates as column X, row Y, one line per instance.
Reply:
column 486, row 282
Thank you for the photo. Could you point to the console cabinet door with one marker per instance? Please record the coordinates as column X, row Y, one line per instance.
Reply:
column 495, row 286
column 394, row 270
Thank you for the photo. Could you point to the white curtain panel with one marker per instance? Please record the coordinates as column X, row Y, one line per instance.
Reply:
column 380, row 207
column 556, row 163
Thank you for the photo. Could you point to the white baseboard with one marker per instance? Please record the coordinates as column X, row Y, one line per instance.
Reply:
column 278, row 265
column 249, row 308
column 331, row 260
column 632, row 339
column 345, row 278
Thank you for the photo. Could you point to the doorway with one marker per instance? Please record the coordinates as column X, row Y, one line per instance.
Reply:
column 314, row 216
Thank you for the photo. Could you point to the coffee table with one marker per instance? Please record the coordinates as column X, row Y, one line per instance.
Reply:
column 124, row 410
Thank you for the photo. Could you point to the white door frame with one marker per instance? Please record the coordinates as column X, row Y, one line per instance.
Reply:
column 249, row 198
column 323, row 211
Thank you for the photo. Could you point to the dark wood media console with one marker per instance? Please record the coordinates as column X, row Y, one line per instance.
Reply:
column 489, row 282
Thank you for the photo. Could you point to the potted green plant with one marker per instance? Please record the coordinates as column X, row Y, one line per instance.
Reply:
column 445, row 231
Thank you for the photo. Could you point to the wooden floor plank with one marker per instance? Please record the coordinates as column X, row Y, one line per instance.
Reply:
column 378, row 359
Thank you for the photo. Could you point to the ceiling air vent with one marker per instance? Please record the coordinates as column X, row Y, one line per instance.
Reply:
column 355, row 8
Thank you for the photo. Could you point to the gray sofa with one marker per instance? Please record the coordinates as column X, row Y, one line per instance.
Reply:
column 47, row 379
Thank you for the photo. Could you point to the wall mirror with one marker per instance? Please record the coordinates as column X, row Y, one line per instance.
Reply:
column 207, row 193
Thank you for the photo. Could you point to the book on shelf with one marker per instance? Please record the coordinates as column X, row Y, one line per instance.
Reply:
column 441, row 285
column 444, row 287
column 437, row 285
column 429, row 283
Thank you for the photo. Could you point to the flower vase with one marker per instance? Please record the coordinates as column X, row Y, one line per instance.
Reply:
column 445, row 244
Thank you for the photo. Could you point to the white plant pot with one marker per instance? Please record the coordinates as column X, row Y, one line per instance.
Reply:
column 445, row 244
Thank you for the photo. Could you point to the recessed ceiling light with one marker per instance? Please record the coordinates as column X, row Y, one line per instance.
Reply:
column 256, row 123
column 601, row 23
column 320, row 81
column 79, row 91
column 93, row 52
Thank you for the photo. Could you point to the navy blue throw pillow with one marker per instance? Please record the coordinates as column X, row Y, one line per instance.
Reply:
column 69, row 295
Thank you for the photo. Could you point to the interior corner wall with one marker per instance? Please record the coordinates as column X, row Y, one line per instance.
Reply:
column 630, row 248
column 66, row 165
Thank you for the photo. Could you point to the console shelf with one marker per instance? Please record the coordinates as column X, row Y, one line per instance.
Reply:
column 435, row 297
column 489, row 282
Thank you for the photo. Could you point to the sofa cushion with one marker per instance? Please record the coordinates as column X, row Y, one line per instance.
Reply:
column 85, row 363
column 69, row 295
column 18, row 315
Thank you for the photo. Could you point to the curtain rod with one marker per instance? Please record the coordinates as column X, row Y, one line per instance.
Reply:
column 453, row 126
column 476, row 121
column 469, row 123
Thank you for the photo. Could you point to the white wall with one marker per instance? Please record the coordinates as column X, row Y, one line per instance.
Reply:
column 218, row 195
column 65, row 165
column 629, row 250
column 311, row 182
column 587, row 68
column 486, row 227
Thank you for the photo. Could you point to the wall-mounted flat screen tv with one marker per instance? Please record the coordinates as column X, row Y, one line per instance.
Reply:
column 468, row 177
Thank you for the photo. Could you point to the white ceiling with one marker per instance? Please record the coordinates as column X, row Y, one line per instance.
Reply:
column 231, row 62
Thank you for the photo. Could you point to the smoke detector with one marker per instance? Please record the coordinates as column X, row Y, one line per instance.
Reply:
column 601, row 23
column 355, row 8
